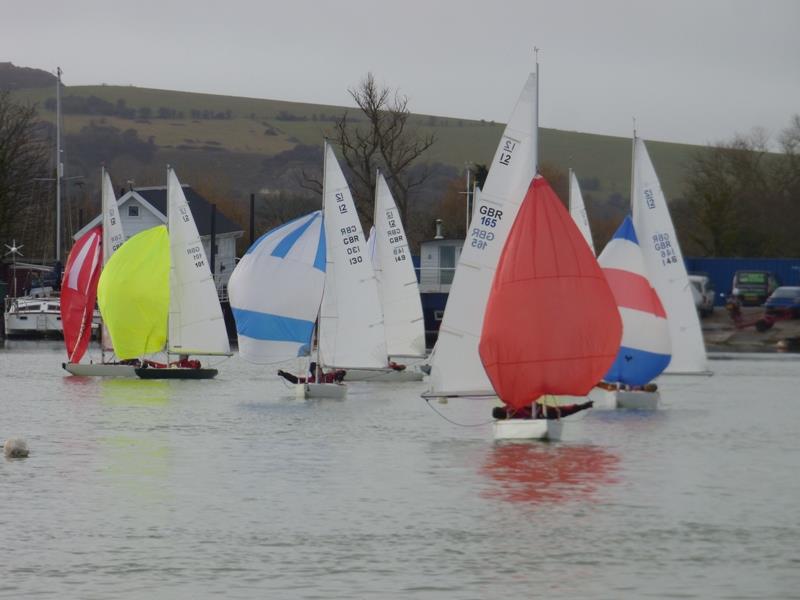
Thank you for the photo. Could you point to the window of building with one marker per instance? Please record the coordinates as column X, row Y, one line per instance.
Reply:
column 133, row 210
column 447, row 264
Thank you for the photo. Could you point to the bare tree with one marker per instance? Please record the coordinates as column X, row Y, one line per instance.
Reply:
column 23, row 158
column 383, row 139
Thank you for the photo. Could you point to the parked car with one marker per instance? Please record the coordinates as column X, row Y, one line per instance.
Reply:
column 785, row 299
column 752, row 288
column 703, row 293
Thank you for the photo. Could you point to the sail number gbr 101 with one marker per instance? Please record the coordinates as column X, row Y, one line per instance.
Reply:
column 352, row 244
column 197, row 256
column 488, row 219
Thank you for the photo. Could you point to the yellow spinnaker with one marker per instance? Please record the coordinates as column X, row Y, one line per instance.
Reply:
column 133, row 294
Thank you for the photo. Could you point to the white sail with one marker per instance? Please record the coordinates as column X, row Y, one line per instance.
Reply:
column 665, row 266
column 578, row 211
column 351, row 330
column 456, row 368
column 113, row 236
column 196, row 324
column 276, row 290
column 397, row 281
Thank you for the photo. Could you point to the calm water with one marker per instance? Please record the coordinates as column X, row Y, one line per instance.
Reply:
column 233, row 488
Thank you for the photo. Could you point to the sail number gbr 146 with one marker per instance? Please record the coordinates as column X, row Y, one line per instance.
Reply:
column 483, row 234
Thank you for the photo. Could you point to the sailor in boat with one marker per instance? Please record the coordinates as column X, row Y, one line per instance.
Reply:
column 329, row 377
column 538, row 410
column 183, row 362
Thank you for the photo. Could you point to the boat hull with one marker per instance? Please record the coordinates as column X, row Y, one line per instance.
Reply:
column 99, row 370
column 176, row 373
column 637, row 399
column 528, row 429
column 336, row 391
column 383, row 375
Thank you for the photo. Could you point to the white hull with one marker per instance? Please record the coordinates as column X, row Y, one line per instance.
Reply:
column 528, row 429
column 603, row 399
column 637, row 399
column 384, row 375
column 33, row 324
column 336, row 391
column 99, row 370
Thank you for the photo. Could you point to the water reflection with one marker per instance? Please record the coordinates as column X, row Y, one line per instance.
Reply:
column 539, row 473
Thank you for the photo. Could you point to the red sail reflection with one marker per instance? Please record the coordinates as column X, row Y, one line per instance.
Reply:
column 537, row 473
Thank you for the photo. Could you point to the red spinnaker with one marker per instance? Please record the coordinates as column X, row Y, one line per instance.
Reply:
column 551, row 324
column 78, row 292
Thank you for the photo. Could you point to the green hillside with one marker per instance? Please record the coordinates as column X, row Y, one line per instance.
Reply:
column 266, row 127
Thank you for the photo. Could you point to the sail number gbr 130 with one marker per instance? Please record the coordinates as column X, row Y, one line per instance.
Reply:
column 352, row 244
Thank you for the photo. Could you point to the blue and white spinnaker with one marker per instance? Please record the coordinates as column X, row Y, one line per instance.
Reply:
column 276, row 291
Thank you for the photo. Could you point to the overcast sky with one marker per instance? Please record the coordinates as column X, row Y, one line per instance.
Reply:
column 694, row 71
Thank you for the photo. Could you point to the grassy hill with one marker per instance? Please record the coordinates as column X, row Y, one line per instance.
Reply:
column 267, row 127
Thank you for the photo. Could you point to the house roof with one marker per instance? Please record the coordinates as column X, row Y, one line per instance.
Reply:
column 200, row 207
column 155, row 200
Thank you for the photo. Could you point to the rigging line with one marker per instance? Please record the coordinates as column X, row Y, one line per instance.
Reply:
column 428, row 402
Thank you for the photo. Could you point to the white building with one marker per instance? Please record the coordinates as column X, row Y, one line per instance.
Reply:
column 143, row 208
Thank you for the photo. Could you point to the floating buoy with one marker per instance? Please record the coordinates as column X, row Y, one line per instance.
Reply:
column 15, row 448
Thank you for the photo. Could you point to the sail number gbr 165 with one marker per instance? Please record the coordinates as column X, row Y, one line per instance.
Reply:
column 352, row 244
column 483, row 234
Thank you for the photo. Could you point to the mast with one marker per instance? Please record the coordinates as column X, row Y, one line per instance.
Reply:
column 171, row 267
column 536, row 113
column 633, row 168
column 59, row 166
column 569, row 190
column 318, row 374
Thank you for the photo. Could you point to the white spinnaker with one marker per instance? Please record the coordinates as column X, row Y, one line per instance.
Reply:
column 578, row 211
column 113, row 236
column 397, row 281
column 456, row 368
column 276, row 290
column 665, row 267
column 351, row 333
column 196, row 324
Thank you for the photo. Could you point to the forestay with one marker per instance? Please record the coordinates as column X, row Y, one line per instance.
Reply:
column 196, row 324
column 276, row 289
column 665, row 267
column 113, row 236
column 456, row 367
column 578, row 210
column 351, row 321
column 397, row 281
column 645, row 349
column 133, row 294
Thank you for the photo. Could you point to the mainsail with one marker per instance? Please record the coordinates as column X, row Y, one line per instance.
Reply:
column 196, row 324
column 276, row 289
column 133, row 294
column 578, row 211
column 665, row 267
column 78, row 293
column 113, row 236
column 397, row 282
column 351, row 332
column 645, row 349
column 456, row 366
column 551, row 323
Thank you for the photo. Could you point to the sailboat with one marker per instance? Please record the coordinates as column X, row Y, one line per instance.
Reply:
column 551, row 326
column 275, row 293
column 665, row 267
column 578, row 211
column 196, row 324
column 456, row 368
column 112, row 238
column 645, row 348
column 401, row 304
column 351, row 328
